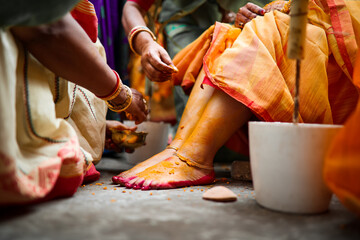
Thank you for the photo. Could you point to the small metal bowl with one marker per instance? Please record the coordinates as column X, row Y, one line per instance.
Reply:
column 128, row 138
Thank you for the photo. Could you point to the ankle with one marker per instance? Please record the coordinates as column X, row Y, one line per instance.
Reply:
column 199, row 164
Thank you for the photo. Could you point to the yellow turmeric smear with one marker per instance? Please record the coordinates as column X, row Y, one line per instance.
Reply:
column 177, row 163
column 166, row 164
column 172, row 171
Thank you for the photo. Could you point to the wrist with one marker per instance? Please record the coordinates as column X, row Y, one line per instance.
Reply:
column 141, row 34
column 115, row 91
column 122, row 102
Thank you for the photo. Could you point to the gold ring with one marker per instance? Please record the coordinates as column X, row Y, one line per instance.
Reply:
column 146, row 105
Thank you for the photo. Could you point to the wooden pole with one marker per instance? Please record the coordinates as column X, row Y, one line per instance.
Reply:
column 296, row 40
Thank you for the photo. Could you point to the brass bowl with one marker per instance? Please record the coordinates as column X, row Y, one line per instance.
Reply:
column 128, row 138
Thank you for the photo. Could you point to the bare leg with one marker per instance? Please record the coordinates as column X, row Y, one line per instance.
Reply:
column 222, row 117
column 198, row 99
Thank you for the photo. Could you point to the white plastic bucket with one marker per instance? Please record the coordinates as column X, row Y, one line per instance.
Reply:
column 156, row 140
column 286, row 164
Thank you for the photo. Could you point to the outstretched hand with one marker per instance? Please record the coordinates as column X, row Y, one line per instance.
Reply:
column 156, row 62
column 247, row 13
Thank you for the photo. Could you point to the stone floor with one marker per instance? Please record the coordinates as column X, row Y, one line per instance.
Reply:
column 105, row 211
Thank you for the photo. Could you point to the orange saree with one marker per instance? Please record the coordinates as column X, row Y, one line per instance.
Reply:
column 342, row 164
column 252, row 67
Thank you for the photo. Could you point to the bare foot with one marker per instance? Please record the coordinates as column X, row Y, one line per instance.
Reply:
column 126, row 176
column 171, row 173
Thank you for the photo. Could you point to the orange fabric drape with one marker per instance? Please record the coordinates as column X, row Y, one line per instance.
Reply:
column 342, row 164
column 252, row 66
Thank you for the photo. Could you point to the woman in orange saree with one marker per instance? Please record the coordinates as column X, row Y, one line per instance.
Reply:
column 235, row 75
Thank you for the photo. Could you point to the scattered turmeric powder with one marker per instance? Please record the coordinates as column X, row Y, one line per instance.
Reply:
column 172, row 171
column 151, row 194
column 99, row 184
column 104, row 188
column 169, row 199
column 177, row 163
column 93, row 193
column 113, row 200
column 123, row 191
column 191, row 190
column 114, row 188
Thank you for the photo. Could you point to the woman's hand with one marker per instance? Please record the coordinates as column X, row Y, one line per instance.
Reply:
column 138, row 109
column 156, row 62
column 109, row 144
column 247, row 13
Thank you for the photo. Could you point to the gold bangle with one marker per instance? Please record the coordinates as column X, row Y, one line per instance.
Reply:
column 114, row 93
column 135, row 31
column 123, row 106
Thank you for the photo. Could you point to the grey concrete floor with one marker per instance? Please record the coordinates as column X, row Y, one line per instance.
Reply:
column 103, row 210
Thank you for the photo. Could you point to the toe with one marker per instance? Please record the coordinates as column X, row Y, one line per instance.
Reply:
column 146, row 185
column 130, row 183
column 115, row 179
column 138, row 183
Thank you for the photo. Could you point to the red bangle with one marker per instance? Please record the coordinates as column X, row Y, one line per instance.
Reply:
column 115, row 92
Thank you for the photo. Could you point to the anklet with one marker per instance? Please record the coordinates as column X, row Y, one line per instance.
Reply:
column 192, row 163
column 171, row 147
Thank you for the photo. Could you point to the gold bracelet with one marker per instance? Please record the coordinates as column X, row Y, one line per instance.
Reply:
column 114, row 93
column 123, row 106
column 136, row 30
column 192, row 163
column 171, row 147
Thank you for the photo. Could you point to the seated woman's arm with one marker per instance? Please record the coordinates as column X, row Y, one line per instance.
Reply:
column 65, row 49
